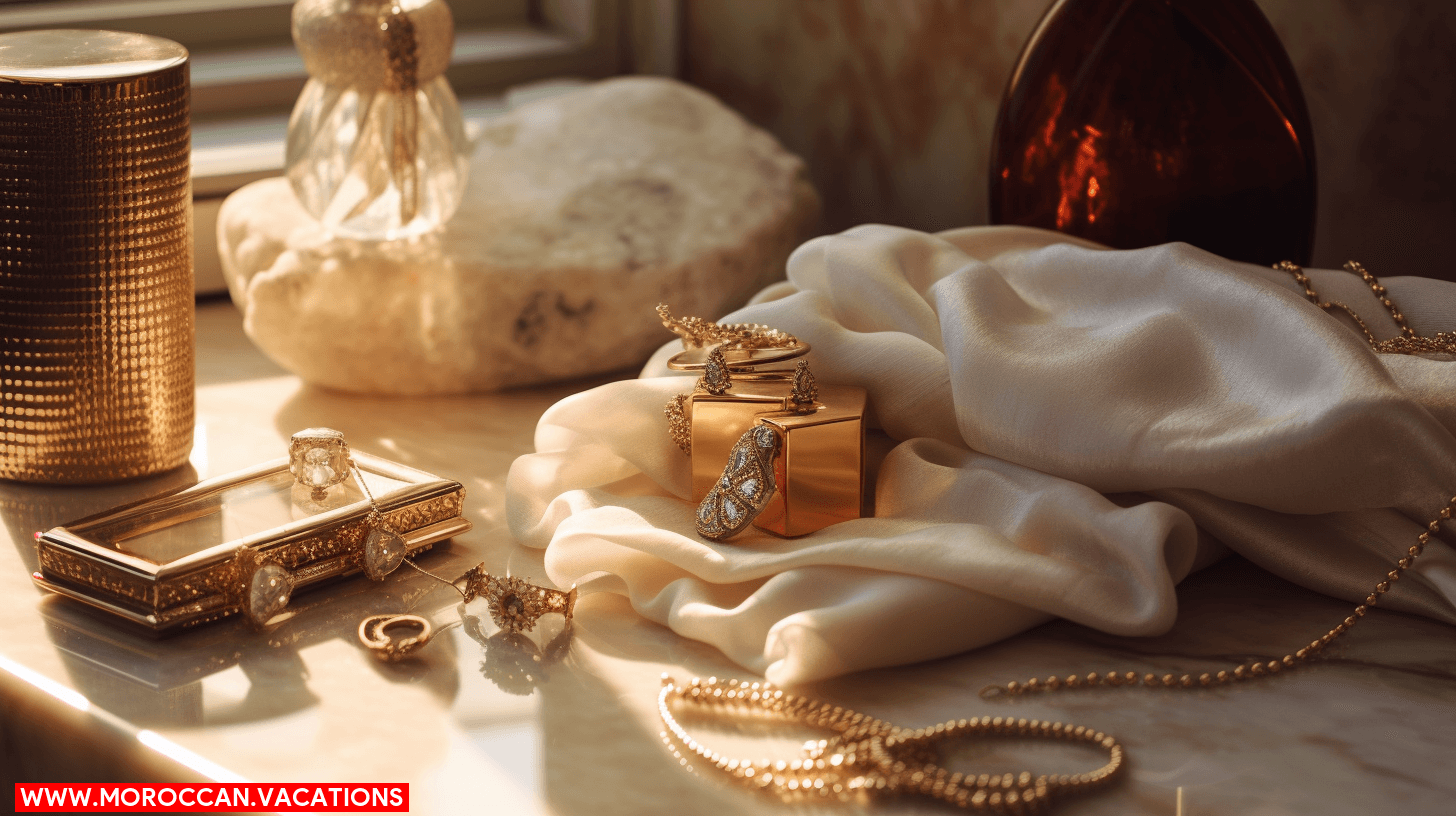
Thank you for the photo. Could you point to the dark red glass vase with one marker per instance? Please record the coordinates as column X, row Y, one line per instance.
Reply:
column 1137, row 122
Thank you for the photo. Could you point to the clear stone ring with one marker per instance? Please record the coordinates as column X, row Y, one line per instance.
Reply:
column 318, row 459
column 515, row 605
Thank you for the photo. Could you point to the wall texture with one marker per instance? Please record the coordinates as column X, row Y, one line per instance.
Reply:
column 892, row 103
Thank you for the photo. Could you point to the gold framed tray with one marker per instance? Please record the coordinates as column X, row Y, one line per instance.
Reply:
column 243, row 542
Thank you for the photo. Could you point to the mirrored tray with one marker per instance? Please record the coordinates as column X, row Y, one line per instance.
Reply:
column 191, row 556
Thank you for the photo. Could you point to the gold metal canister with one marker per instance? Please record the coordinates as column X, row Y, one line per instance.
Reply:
column 97, row 323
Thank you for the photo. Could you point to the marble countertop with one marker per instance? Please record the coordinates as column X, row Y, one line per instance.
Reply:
column 486, row 723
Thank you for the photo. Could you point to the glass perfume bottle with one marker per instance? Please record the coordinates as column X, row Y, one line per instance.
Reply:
column 1137, row 122
column 376, row 144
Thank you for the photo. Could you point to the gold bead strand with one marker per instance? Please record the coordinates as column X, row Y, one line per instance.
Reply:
column 1382, row 295
column 873, row 758
column 1243, row 671
column 1328, row 305
column 1300, row 278
column 802, row 777
column 1407, row 343
column 1015, row 792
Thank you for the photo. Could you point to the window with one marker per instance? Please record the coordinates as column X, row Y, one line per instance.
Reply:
column 246, row 73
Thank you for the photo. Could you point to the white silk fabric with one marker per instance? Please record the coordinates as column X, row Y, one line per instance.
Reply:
column 1064, row 430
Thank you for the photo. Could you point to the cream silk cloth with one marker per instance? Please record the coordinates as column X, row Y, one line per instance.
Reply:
column 1068, row 431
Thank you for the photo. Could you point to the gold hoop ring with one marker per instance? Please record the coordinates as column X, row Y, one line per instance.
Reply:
column 373, row 633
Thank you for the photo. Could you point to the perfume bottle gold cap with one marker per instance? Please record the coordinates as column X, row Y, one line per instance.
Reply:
column 96, row 292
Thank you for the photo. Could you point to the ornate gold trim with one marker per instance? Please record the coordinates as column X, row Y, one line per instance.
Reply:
column 117, row 582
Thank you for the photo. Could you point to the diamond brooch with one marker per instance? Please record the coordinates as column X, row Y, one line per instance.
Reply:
column 744, row 490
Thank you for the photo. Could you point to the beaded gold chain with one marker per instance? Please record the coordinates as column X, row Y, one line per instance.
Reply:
column 1243, row 671
column 1407, row 343
column 870, row 758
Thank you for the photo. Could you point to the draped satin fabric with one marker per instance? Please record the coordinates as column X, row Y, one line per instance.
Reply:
column 1063, row 431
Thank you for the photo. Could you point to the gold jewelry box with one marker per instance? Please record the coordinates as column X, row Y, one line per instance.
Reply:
column 716, row 421
column 820, row 471
column 194, row 555
column 820, row 474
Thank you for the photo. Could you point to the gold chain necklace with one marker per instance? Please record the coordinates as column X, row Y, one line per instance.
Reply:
column 1407, row 343
column 1243, row 671
column 870, row 758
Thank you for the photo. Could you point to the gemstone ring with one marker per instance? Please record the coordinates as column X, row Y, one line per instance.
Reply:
column 318, row 459
column 516, row 604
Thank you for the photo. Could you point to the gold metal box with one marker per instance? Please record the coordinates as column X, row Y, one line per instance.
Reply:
column 719, row 420
column 184, row 558
column 820, row 473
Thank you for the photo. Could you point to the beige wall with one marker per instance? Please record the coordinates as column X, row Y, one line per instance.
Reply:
column 892, row 102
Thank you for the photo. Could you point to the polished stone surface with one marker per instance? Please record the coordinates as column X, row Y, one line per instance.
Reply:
column 564, row 722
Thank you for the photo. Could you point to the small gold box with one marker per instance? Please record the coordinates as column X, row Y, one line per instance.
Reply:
column 718, row 422
column 818, row 477
column 820, row 474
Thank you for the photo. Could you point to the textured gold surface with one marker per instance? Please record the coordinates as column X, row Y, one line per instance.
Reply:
column 96, row 309
column 216, row 590
column 717, row 422
column 820, row 475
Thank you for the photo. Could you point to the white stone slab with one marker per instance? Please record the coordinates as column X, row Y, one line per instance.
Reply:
column 584, row 211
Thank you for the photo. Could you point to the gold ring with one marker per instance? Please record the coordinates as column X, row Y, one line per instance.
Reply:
column 374, row 634
column 318, row 459
column 516, row 604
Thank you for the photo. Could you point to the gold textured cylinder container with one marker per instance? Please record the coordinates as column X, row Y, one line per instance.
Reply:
column 96, row 294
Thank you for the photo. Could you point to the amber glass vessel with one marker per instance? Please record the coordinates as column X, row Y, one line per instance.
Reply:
column 1137, row 122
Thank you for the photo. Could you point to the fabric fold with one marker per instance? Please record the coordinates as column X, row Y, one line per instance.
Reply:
column 1061, row 415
